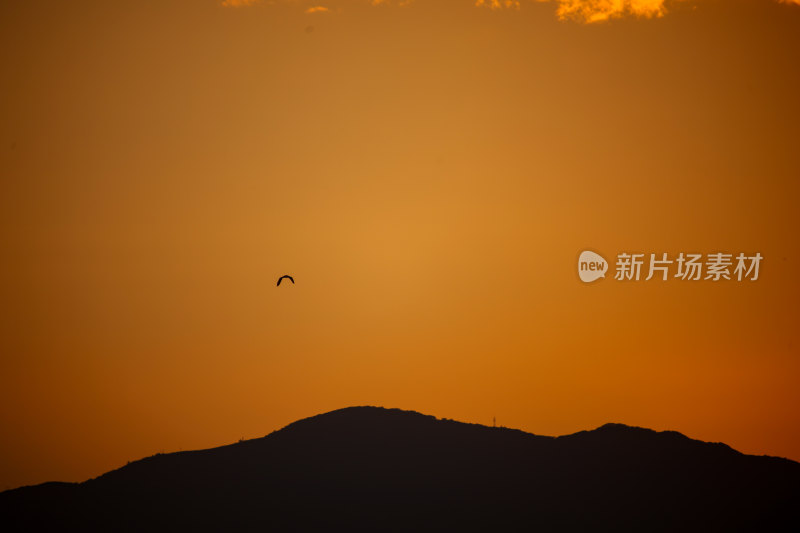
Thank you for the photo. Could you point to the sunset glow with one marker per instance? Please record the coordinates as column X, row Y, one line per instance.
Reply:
column 428, row 173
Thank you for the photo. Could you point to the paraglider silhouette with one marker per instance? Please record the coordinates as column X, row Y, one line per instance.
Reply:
column 287, row 276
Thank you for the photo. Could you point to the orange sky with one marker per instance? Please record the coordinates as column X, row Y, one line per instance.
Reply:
column 428, row 172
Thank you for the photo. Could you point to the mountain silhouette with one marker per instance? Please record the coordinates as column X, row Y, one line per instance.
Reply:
column 376, row 469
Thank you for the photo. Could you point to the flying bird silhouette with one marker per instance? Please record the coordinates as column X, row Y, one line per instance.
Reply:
column 287, row 276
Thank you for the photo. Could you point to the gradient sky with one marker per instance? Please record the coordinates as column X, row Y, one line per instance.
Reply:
column 428, row 171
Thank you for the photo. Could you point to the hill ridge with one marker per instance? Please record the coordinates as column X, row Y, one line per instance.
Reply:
column 367, row 467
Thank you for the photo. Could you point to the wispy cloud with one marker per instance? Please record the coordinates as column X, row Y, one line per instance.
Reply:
column 238, row 3
column 601, row 10
column 586, row 11
column 498, row 4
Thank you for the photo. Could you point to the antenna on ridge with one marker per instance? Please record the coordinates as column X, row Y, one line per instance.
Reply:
column 494, row 421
